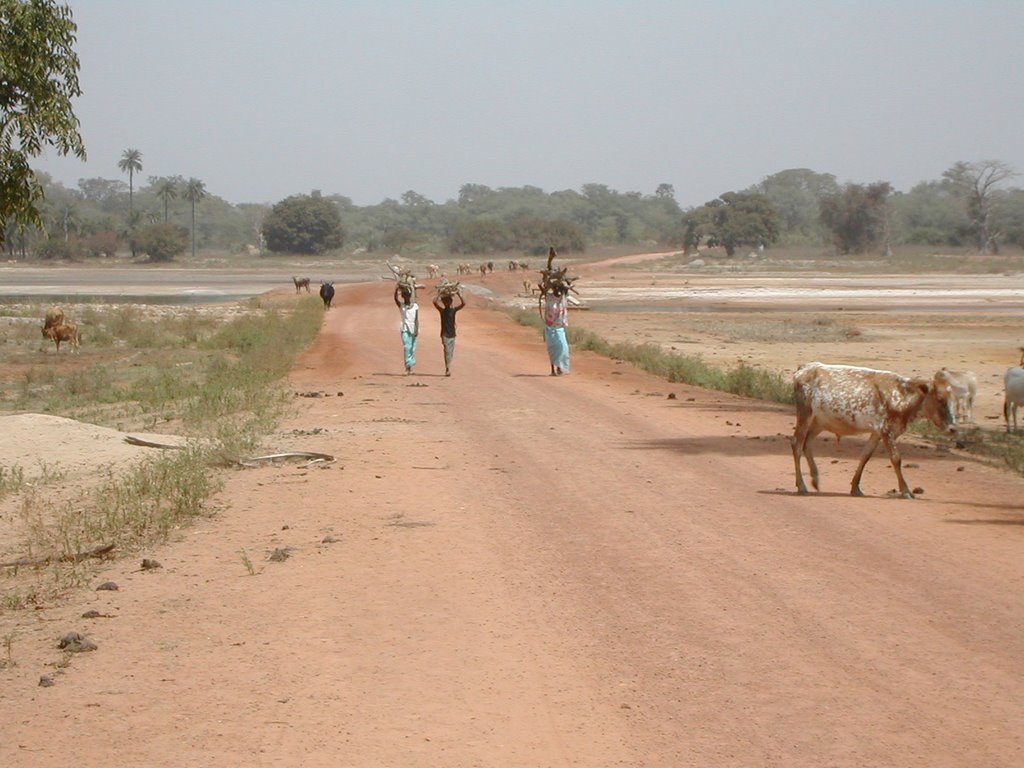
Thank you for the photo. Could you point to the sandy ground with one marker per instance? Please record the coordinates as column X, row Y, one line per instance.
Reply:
column 506, row 568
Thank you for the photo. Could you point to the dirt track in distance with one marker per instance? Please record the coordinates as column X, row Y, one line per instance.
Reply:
column 509, row 569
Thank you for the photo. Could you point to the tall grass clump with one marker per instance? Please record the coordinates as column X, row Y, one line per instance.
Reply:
column 130, row 508
column 12, row 479
column 151, row 499
column 241, row 396
column 743, row 379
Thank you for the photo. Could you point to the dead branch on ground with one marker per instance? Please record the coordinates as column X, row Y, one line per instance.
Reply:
column 74, row 557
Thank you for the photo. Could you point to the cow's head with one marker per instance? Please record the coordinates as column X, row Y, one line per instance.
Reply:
column 938, row 404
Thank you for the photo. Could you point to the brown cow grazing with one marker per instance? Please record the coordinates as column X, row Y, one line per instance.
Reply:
column 54, row 316
column 847, row 400
column 64, row 332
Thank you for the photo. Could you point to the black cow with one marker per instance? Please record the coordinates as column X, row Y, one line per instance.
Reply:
column 327, row 293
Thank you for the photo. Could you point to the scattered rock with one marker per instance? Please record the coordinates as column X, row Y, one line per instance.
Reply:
column 960, row 469
column 279, row 555
column 918, row 491
column 45, row 681
column 328, row 540
column 91, row 614
column 75, row 642
column 671, row 395
column 150, row 565
column 107, row 586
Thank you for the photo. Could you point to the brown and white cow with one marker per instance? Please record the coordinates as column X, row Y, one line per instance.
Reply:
column 848, row 400
column 64, row 332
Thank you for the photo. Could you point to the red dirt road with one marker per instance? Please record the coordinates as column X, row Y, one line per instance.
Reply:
column 509, row 569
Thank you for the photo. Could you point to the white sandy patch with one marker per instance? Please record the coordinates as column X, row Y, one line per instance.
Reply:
column 39, row 443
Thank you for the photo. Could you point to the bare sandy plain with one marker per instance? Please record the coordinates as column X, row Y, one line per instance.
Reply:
column 503, row 568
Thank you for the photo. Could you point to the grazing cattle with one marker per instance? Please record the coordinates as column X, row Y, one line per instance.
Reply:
column 847, row 400
column 300, row 283
column 964, row 386
column 433, row 269
column 327, row 294
column 54, row 316
column 465, row 269
column 483, row 269
column 64, row 332
column 1013, row 397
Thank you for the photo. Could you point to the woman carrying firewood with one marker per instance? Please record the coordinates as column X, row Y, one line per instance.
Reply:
column 410, row 323
column 553, row 305
column 554, row 311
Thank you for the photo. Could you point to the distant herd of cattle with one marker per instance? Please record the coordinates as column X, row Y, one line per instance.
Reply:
column 842, row 399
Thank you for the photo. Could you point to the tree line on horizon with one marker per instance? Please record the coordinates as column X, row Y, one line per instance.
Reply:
column 970, row 207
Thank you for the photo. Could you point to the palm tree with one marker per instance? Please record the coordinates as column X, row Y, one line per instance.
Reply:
column 166, row 191
column 195, row 191
column 130, row 162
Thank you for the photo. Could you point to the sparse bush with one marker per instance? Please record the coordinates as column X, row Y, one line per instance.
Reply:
column 162, row 242
column 102, row 243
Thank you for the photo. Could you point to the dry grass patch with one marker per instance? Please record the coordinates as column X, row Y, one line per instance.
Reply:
column 218, row 382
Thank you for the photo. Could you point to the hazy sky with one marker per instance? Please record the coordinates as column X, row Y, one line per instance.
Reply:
column 372, row 98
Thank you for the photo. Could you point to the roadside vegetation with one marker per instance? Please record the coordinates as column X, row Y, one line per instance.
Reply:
column 742, row 379
column 216, row 382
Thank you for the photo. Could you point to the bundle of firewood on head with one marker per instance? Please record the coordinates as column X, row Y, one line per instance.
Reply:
column 555, row 281
column 446, row 287
column 406, row 279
